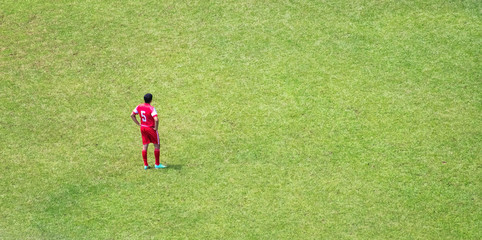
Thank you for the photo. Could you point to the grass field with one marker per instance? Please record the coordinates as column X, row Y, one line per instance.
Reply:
column 278, row 119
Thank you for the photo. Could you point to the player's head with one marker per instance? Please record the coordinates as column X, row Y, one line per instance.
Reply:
column 148, row 98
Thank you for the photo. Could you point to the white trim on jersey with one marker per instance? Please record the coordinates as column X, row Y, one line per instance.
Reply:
column 154, row 112
column 135, row 111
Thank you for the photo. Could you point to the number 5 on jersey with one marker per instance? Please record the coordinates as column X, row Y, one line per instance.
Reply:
column 143, row 116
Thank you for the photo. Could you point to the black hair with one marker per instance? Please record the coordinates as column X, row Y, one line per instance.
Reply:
column 148, row 98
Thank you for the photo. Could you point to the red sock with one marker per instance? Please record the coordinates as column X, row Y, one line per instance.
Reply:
column 144, row 157
column 156, row 154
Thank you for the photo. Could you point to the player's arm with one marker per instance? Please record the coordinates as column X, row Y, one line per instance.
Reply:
column 134, row 118
column 156, row 119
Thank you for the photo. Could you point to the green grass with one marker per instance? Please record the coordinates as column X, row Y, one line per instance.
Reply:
column 279, row 119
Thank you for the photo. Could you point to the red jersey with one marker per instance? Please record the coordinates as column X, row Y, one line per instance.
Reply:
column 147, row 113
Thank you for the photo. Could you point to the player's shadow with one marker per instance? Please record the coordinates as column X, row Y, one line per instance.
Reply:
column 176, row 167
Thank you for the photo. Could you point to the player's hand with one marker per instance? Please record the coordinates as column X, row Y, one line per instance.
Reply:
column 155, row 129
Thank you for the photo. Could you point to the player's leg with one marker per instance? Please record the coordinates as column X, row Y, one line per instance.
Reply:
column 144, row 155
column 145, row 144
column 157, row 153
column 157, row 150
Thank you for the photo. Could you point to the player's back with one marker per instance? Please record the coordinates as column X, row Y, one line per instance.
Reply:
column 147, row 114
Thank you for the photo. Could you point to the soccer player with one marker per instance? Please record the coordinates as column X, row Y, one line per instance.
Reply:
column 149, row 125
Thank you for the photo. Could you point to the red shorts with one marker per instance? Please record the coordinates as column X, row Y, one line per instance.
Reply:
column 149, row 135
